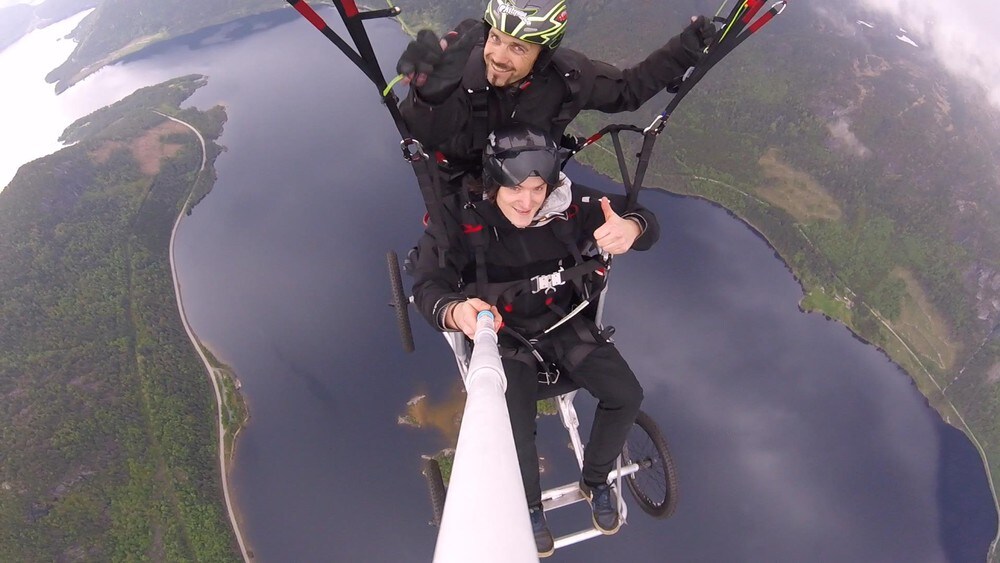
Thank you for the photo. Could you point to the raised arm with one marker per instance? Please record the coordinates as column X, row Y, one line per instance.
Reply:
column 435, row 108
column 615, row 90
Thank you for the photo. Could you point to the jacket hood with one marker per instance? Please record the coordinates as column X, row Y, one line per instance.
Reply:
column 555, row 206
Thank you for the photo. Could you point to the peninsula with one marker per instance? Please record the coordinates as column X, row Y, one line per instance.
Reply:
column 110, row 446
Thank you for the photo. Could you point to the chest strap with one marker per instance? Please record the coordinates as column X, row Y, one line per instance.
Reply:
column 544, row 283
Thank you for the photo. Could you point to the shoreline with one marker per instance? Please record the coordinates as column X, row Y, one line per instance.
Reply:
column 212, row 371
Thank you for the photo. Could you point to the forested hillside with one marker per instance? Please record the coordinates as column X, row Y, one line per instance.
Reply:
column 108, row 444
column 19, row 19
column 121, row 27
column 869, row 169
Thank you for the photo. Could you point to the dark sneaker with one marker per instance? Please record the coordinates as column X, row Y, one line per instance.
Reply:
column 543, row 537
column 604, row 506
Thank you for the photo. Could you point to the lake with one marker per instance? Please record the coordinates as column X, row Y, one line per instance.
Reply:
column 794, row 441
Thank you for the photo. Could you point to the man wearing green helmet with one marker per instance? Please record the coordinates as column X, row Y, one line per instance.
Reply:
column 508, row 67
column 541, row 23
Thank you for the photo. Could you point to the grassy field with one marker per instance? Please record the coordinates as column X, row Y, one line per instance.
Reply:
column 795, row 191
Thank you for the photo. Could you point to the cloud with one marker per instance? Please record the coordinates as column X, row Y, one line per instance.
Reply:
column 841, row 131
column 840, row 22
column 962, row 37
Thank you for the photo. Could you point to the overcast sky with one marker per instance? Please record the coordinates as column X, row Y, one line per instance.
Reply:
column 962, row 34
column 5, row 3
column 959, row 32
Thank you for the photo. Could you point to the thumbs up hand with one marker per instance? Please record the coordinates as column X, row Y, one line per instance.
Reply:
column 616, row 235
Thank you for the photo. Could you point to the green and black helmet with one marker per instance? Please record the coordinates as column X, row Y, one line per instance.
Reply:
column 542, row 22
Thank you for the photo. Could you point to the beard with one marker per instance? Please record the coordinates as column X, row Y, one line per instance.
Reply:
column 501, row 77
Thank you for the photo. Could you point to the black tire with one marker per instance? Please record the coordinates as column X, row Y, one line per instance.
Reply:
column 399, row 301
column 435, row 485
column 654, row 486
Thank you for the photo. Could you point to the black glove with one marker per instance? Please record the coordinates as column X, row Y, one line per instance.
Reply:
column 434, row 72
column 690, row 47
column 697, row 36
column 420, row 57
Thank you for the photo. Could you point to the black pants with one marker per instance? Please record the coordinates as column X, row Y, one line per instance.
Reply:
column 606, row 375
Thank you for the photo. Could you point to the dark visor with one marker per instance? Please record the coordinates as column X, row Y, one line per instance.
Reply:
column 517, row 165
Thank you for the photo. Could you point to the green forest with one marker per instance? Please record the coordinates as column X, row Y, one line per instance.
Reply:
column 109, row 437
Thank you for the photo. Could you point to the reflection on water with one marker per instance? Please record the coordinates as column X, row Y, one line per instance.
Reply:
column 33, row 117
column 794, row 441
column 444, row 417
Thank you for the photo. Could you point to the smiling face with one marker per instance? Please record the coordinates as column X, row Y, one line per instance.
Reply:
column 508, row 60
column 520, row 203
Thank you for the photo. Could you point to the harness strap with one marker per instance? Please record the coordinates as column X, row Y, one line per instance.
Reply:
column 528, row 353
column 440, row 225
column 473, row 229
column 564, row 232
column 588, row 343
column 508, row 291
column 570, row 354
column 480, row 117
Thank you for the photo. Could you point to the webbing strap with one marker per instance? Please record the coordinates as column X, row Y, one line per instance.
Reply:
column 440, row 226
column 492, row 292
column 443, row 227
column 480, row 117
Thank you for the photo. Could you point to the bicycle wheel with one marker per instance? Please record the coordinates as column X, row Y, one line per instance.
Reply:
column 399, row 301
column 435, row 485
column 654, row 486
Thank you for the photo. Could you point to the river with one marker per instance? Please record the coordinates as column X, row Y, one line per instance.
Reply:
column 793, row 440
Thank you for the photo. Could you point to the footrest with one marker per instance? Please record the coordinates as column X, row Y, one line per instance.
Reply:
column 562, row 496
column 576, row 537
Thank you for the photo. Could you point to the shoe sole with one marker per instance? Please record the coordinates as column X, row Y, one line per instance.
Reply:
column 548, row 552
column 589, row 495
column 605, row 531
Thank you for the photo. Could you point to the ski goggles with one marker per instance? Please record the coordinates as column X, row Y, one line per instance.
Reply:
column 511, row 167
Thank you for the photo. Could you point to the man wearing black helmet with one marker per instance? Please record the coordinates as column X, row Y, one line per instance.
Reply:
column 523, row 256
column 507, row 67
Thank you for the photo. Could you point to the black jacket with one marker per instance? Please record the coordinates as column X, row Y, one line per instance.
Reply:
column 514, row 254
column 554, row 95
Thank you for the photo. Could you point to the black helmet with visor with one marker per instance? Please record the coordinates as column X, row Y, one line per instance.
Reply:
column 516, row 152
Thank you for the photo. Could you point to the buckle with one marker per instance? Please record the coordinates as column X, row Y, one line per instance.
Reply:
column 547, row 282
column 408, row 145
column 549, row 377
column 655, row 127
